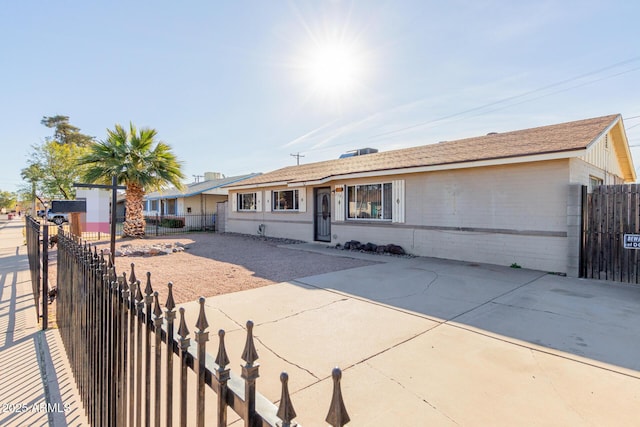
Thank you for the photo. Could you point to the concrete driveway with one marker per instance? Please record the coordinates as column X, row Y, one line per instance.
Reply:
column 434, row 342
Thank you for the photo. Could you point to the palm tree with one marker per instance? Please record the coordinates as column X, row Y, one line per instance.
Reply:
column 139, row 162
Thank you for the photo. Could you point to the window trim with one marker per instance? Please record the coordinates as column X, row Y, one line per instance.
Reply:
column 239, row 201
column 593, row 181
column 296, row 201
column 383, row 208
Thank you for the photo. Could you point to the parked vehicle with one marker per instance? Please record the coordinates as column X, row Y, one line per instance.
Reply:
column 58, row 218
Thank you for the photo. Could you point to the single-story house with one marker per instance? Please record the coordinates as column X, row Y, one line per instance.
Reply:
column 196, row 206
column 502, row 198
column 198, row 198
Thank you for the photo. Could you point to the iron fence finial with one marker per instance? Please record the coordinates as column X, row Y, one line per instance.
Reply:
column 337, row 416
column 222, row 360
column 249, row 355
column 202, row 323
column 125, row 285
column 285, row 411
column 183, row 331
column 157, row 311
column 148, row 290
column 170, row 304
column 138, row 296
column 132, row 276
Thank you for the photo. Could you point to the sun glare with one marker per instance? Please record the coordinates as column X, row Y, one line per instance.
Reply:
column 333, row 71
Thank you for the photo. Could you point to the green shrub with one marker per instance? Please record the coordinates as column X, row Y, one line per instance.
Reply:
column 151, row 220
column 172, row 222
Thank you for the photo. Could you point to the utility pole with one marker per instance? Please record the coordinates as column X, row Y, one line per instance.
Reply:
column 297, row 156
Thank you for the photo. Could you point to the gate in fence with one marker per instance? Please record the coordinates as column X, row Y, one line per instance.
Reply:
column 609, row 213
column 37, row 245
column 115, row 334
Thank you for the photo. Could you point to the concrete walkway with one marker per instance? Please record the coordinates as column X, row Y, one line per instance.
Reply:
column 36, row 385
column 434, row 342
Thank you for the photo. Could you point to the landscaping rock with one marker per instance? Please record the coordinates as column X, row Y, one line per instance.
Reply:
column 153, row 250
column 395, row 249
column 370, row 247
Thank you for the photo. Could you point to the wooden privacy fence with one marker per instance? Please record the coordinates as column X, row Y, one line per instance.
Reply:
column 115, row 335
column 37, row 244
column 610, row 212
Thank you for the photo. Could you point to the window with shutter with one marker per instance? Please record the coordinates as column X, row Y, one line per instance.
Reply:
column 286, row 200
column 370, row 201
column 247, row 202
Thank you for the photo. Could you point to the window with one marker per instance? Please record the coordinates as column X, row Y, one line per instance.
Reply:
column 153, row 205
column 370, row 201
column 594, row 182
column 247, row 201
column 285, row 200
column 170, row 207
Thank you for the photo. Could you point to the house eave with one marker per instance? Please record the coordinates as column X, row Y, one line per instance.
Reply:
column 261, row 185
column 440, row 167
column 218, row 189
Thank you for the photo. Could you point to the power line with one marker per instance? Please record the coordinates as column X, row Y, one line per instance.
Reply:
column 482, row 107
column 500, row 101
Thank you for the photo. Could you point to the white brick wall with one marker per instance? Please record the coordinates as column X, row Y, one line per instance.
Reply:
column 511, row 214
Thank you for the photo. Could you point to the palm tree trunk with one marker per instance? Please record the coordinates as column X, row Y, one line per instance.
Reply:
column 134, row 223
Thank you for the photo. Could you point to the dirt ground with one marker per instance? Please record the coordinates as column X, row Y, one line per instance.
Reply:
column 214, row 264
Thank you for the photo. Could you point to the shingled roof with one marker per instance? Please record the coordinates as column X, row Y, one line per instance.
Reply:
column 197, row 187
column 559, row 138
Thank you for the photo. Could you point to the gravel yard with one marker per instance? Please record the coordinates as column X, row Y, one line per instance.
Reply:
column 214, row 264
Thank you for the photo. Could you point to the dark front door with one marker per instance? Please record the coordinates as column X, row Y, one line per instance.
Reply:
column 323, row 214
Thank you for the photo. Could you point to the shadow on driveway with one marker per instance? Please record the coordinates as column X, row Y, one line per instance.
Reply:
column 586, row 318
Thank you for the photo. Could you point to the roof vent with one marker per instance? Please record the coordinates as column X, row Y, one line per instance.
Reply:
column 359, row 152
column 492, row 133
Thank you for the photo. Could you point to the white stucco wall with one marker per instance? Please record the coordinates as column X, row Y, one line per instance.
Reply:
column 200, row 204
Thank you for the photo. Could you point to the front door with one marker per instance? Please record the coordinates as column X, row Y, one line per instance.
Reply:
column 323, row 214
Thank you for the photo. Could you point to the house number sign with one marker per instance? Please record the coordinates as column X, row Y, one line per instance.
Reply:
column 632, row 241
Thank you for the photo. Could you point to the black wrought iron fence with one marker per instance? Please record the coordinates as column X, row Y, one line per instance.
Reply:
column 36, row 235
column 163, row 225
column 116, row 334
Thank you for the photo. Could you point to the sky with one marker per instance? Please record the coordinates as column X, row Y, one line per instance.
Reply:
column 243, row 86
